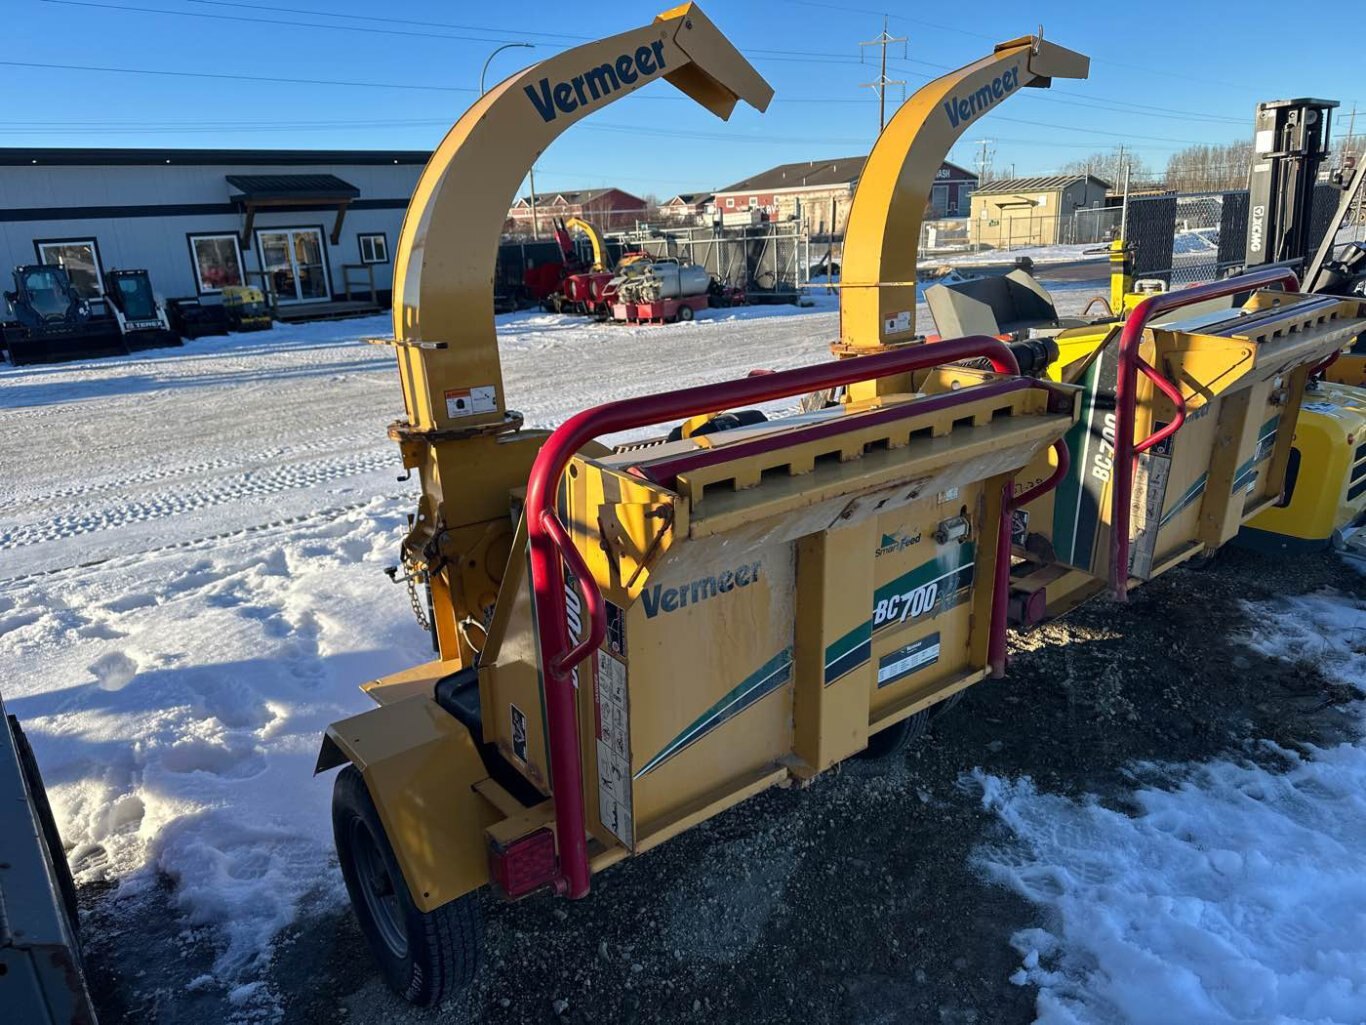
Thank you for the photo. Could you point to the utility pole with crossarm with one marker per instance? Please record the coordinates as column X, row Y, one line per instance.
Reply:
column 880, row 86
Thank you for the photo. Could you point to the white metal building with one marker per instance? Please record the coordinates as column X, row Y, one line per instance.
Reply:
column 302, row 223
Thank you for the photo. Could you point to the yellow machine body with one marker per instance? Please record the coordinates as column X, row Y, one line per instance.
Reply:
column 768, row 612
column 1242, row 375
column 1325, row 487
column 246, row 307
column 778, row 592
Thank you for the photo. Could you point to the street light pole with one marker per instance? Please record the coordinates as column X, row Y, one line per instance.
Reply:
column 535, row 228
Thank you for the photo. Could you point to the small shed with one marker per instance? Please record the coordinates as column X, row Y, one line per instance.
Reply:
column 1040, row 211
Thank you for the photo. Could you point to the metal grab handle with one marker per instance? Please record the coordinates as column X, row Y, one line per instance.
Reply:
column 1177, row 399
column 1126, row 387
column 548, row 539
column 592, row 595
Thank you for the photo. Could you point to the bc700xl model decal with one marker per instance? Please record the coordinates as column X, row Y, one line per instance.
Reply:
column 927, row 590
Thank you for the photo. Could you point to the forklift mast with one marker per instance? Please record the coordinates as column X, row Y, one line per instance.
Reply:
column 1290, row 143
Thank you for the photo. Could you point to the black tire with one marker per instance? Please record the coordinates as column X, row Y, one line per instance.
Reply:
column 897, row 737
column 425, row 956
column 942, row 709
column 685, row 313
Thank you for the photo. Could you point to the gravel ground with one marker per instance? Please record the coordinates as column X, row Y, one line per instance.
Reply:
column 851, row 900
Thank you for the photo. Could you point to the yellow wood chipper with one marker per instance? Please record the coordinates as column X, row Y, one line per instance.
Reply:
column 634, row 639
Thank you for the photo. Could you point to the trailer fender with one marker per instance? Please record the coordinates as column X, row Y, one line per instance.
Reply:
column 420, row 765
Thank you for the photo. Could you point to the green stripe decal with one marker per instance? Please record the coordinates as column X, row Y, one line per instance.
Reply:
column 849, row 652
column 1241, row 477
column 764, row 681
column 930, row 588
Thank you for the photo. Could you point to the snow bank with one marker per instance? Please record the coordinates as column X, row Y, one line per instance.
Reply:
column 176, row 700
column 1227, row 894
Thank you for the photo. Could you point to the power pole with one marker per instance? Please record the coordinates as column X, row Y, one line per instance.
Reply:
column 535, row 225
column 984, row 161
column 1350, row 146
column 880, row 86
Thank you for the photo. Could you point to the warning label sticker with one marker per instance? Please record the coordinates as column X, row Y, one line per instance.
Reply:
column 897, row 665
column 897, row 323
column 469, row 401
column 614, row 749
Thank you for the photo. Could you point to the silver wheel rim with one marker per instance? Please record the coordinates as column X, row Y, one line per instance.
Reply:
column 378, row 888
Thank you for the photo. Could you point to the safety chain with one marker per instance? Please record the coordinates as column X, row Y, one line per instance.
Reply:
column 419, row 612
column 411, row 576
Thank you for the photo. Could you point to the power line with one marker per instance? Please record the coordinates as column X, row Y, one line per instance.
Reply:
column 273, row 21
column 370, row 17
column 234, row 78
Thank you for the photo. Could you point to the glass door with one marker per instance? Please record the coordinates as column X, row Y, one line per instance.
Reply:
column 292, row 259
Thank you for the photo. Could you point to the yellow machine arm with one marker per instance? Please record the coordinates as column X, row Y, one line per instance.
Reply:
column 458, row 433
column 459, row 206
column 594, row 239
column 878, row 295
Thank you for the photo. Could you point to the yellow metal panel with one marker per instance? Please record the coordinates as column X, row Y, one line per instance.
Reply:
column 421, row 767
column 420, row 679
column 833, row 633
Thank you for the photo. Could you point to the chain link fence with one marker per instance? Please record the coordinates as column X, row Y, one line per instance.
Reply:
column 771, row 262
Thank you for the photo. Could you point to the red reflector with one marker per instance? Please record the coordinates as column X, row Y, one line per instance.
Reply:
column 525, row 865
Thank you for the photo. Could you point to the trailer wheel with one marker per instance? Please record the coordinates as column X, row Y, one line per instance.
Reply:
column 897, row 737
column 685, row 313
column 425, row 956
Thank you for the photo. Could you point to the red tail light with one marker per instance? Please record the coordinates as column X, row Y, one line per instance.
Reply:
column 524, row 866
column 1028, row 608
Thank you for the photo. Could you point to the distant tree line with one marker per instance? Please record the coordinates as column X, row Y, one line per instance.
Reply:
column 1209, row 167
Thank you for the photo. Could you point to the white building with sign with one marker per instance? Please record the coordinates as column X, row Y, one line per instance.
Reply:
column 309, row 226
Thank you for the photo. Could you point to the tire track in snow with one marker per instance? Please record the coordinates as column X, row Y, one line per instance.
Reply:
column 275, row 453
column 231, row 489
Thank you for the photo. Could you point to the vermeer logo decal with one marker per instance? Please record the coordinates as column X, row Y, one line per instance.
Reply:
column 671, row 599
column 550, row 100
column 962, row 109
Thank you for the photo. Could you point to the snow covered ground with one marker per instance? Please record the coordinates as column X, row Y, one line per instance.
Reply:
column 1227, row 892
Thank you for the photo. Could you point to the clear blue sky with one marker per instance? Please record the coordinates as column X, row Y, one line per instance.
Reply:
column 1173, row 74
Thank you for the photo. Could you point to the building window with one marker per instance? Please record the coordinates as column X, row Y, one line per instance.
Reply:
column 753, row 202
column 217, row 261
column 80, row 258
column 730, row 203
column 374, row 248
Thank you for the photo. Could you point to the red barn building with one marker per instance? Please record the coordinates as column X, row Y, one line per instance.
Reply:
column 605, row 209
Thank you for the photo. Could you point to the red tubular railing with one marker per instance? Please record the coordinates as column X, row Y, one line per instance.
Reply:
column 1000, row 597
column 549, row 541
column 1126, row 386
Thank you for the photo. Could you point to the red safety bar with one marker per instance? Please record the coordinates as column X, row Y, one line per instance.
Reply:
column 1126, row 388
column 1000, row 597
column 550, row 542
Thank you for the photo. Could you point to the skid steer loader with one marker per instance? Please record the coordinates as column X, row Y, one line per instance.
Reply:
column 632, row 640
column 49, row 321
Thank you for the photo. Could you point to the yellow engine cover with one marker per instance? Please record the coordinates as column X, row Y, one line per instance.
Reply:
column 1325, row 478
